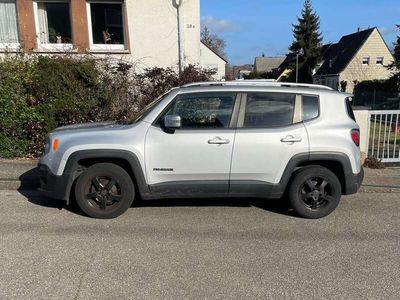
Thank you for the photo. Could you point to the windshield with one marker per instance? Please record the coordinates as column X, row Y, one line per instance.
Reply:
column 145, row 111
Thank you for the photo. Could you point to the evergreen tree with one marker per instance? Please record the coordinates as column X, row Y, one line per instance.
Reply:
column 307, row 43
column 395, row 66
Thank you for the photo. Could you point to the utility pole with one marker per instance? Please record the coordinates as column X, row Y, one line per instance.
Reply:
column 297, row 67
column 178, row 5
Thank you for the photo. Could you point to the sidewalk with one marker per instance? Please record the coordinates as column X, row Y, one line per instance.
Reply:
column 18, row 174
column 22, row 174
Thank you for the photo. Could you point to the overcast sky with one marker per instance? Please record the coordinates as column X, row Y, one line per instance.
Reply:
column 253, row 27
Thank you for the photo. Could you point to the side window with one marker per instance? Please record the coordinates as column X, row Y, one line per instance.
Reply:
column 310, row 107
column 264, row 110
column 204, row 110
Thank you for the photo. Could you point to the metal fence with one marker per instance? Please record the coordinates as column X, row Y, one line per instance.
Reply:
column 384, row 135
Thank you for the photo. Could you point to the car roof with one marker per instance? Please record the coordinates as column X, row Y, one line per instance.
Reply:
column 259, row 86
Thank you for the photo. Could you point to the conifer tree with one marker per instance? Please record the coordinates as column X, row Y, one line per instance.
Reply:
column 395, row 66
column 307, row 44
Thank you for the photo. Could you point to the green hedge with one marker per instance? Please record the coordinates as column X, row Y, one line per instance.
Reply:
column 40, row 93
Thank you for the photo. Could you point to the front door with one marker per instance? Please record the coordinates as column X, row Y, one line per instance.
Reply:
column 196, row 158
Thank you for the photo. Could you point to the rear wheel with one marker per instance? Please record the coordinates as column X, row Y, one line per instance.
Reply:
column 315, row 192
column 104, row 191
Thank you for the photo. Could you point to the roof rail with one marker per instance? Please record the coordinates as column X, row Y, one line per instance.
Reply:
column 256, row 83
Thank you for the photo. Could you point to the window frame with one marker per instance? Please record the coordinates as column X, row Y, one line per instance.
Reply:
column 106, row 47
column 367, row 59
column 298, row 105
column 380, row 60
column 232, row 123
column 63, row 47
column 12, row 46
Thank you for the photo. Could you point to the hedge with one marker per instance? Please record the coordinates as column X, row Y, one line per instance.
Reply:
column 39, row 93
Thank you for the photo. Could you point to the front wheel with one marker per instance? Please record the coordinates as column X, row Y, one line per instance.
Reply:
column 104, row 191
column 315, row 192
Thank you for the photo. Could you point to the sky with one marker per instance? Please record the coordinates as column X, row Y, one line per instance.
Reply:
column 254, row 27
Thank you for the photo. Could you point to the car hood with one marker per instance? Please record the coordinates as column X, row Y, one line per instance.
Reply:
column 97, row 126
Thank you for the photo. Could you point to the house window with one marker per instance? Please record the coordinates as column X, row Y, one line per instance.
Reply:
column 106, row 25
column 379, row 60
column 53, row 25
column 8, row 25
column 365, row 60
column 212, row 67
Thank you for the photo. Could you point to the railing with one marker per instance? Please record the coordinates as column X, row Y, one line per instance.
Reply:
column 384, row 135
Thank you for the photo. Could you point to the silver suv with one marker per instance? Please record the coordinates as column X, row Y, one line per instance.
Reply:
column 232, row 139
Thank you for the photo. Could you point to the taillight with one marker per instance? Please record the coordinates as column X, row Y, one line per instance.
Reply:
column 355, row 136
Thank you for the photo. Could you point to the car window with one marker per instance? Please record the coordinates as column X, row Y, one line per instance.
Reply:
column 264, row 110
column 204, row 110
column 310, row 107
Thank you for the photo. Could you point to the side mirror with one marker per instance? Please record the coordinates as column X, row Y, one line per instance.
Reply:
column 172, row 122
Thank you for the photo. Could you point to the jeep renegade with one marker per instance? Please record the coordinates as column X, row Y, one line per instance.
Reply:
column 215, row 139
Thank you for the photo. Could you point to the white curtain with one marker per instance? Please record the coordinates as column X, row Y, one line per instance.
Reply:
column 8, row 22
column 43, row 25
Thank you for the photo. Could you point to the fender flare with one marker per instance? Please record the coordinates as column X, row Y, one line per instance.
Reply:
column 72, row 167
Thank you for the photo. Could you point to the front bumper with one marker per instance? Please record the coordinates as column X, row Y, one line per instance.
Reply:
column 53, row 186
column 353, row 182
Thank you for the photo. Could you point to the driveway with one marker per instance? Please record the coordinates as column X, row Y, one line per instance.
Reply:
column 239, row 249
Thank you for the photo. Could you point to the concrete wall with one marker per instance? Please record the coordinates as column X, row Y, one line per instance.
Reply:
column 374, row 47
column 210, row 60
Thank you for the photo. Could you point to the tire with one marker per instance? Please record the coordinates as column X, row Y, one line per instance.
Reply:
column 104, row 191
column 314, row 192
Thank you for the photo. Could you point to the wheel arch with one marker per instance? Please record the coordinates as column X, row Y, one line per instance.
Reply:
column 80, row 160
column 338, row 163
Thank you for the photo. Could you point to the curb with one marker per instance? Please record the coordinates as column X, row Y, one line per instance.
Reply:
column 16, row 184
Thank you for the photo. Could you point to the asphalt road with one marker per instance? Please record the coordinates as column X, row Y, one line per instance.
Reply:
column 199, row 250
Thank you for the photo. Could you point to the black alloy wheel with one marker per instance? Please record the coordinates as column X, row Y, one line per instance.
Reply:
column 104, row 191
column 314, row 192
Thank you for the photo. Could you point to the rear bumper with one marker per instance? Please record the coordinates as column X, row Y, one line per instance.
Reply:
column 53, row 186
column 353, row 182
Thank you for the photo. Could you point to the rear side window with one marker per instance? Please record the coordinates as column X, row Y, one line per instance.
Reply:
column 264, row 110
column 310, row 108
column 350, row 109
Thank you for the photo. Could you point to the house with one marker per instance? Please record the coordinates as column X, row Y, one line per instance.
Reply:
column 359, row 56
column 162, row 33
column 238, row 71
column 264, row 64
column 211, row 60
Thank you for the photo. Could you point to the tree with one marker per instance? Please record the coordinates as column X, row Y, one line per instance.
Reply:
column 306, row 44
column 395, row 66
column 213, row 41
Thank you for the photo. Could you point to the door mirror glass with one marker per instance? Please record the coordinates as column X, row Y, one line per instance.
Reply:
column 172, row 122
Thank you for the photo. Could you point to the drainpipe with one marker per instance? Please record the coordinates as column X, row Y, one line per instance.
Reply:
column 178, row 4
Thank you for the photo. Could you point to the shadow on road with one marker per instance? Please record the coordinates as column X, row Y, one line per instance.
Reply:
column 30, row 182
column 279, row 206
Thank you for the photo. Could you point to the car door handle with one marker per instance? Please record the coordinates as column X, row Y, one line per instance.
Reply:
column 291, row 139
column 218, row 141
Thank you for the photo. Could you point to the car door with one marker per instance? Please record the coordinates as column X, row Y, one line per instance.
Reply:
column 270, row 132
column 194, row 159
